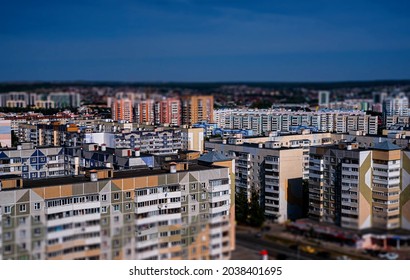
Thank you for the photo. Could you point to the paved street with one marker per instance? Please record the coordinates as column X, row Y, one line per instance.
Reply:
column 281, row 244
column 249, row 246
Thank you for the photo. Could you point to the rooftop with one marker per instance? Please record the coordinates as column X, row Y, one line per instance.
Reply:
column 386, row 146
column 213, row 157
column 117, row 175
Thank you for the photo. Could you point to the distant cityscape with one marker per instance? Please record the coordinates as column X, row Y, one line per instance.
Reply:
column 205, row 171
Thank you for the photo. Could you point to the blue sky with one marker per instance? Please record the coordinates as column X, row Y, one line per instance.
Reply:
column 200, row 40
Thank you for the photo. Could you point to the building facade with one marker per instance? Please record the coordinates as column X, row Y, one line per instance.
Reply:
column 356, row 188
column 176, row 214
column 168, row 111
column 265, row 121
column 197, row 108
column 33, row 163
column 122, row 109
column 275, row 173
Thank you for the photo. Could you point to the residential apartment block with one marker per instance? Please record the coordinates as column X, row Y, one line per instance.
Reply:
column 276, row 174
column 197, row 108
column 185, row 211
column 356, row 188
column 397, row 105
column 144, row 111
column 121, row 109
column 168, row 111
column 265, row 121
column 32, row 163
column 40, row 100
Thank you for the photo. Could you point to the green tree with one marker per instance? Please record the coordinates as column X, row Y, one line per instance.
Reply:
column 14, row 139
column 256, row 213
column 241, row 206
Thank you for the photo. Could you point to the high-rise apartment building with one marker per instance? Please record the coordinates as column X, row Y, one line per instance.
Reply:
column 144, row 111
column 324, row 98
column 121, row 109
column 17, row 99
column 196, row 108
column 355, row 188
column 174, row 213
column 276, row 173
column 64, row 99
column 379, row 97
column 168, row 111
column 396, row 105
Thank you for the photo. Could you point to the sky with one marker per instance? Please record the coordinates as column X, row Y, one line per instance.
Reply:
column 204, row 40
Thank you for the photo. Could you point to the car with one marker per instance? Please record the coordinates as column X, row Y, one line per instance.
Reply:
column 308, row 249
column 389, row 256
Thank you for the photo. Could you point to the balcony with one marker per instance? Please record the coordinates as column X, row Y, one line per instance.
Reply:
column 346, row 211
column 315, row 212
column 316, row 190
column 349, row 203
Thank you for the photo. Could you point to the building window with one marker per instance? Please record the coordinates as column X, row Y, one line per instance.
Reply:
column 128, row 195
column 22, row 220
column 103, row 197
column 7, row 249
column 37, row 231
column 116, row 208
column 116, row 196
column 7, row 236
column 23, row 208
column 104, row 209
column 7, row 209
column 37, row 206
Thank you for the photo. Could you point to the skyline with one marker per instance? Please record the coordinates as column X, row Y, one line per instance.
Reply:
column 205, row 41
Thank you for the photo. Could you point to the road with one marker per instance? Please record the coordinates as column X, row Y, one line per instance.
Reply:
column 249, row 246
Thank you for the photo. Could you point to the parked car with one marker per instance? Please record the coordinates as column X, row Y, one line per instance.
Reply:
column 308, row 249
